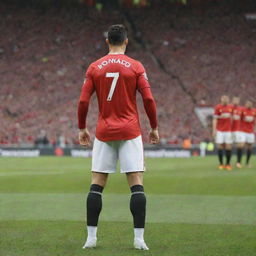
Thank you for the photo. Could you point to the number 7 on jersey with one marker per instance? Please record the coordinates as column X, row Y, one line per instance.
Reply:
column 113, row 85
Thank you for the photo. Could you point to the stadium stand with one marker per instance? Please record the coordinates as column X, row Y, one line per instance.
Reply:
column 189, row 60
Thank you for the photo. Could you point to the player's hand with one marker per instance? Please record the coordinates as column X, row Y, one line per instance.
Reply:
column 154, row 136
column 84, row 137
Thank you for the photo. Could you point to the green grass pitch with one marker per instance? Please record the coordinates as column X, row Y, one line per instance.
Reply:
column 193, row 209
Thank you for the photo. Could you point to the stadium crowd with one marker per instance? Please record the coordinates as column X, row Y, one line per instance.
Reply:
column 191, row 59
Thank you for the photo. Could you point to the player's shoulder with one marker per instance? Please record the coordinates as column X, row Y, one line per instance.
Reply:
column 91, row 67
column 137, row 63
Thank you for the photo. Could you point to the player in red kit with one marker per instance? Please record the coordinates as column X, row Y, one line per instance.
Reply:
column 116, row 79
column 237, row 134
column 247, row 127
column 222, row 121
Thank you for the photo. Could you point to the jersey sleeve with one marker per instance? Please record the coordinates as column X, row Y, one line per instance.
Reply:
column 148, row 99
column 149, row 106
column 86, row 93
column 142, row 79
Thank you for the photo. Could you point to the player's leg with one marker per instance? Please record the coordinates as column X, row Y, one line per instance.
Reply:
column 137, row 208
column 94, row 206
column 138, row 200
column 228, row 154
column 220, row 155
column 228, row 149
column 104, row 159
column 220, row 145
column 250, row 140
column 248, row 153
column 239, row 140
column 132, row 163
column 239, row 152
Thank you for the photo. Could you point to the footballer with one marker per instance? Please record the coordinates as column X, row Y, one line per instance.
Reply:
column 248, row 120
column 237, row 134
column 222, row 122
column 116, row 79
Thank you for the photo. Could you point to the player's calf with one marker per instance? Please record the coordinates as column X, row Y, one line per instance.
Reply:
column 94, row 206
column 138, row 210
column 248, row 155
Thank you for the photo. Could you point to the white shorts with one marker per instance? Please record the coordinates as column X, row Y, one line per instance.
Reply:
column 129, row 152
column 249, row 138
column 223, row 137
column 238, row 137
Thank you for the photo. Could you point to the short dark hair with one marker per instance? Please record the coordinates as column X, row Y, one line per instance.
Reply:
column 117, row 34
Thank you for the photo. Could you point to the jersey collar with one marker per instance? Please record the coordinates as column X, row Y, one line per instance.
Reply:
column 116, row 53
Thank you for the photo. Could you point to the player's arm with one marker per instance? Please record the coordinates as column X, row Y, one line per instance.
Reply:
column 83, row 107
column 149, row 104
column 214, row 122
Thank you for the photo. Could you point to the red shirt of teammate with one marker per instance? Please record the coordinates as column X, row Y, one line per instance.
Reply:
column 116, row 78
column 248, row 120
column 223, row 113
column 236, row 118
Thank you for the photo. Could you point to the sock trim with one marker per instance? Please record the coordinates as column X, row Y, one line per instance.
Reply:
column 137, row 192
column 96, row 187
column 95, row 192
column 137, row 188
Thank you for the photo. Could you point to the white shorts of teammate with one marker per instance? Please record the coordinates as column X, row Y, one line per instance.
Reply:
column 223, row 137
column 238, row 137
column 129, row 152
column 248, row 138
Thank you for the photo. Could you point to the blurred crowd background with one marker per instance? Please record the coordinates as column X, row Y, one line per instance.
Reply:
column 193, row 51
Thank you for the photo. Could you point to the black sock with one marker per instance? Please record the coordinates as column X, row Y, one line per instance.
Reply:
column 220, row 155
column 248, row 155
column 228, row 156
column 239, row 155
column 138, row 206
column 94, row 204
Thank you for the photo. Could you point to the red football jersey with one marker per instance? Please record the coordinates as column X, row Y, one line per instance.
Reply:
column 223, row 113
column 116, row 78
column 248, row 120
column 236, row 118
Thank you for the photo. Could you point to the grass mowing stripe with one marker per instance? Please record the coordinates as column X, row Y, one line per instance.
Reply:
column 179, row 190
column 32, row 173
column 170, row 208
column 164, row 176
column 171, row 173
column 65, row 238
